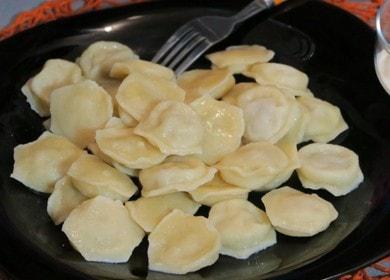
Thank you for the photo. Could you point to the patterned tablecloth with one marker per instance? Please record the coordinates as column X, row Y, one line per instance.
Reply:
column 51, row 10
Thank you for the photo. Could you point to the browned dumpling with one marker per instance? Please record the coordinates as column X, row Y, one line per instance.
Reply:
column 39, row 164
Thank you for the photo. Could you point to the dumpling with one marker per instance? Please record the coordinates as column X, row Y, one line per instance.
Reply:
column 200, row 82
column 63, row 200
column 223, row 130
column 93, row 177
column 295, row 213
column 149, row 211
column 126, row 118
column 238, row 58
column 193, row 244
column 39, row 164
column 102, row 231
column 244, row 229
column 139, row 93
column 115, row 122
column 97, row 60
column 236, row 91
column 122, row 69
column 175, row 174
column 325, row 120
column 330, row 167
column 288, row 79
column 126, row 170
column 128, row 149
column 267, row 113
column 217, row 190
column 174, row 127
column 253, row 166
column 78, row 110
column 55, row 73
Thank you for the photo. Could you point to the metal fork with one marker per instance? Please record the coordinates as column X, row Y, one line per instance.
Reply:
column 195, row 37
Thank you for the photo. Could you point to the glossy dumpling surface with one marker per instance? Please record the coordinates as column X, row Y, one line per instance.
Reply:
column 39, row 164
column 224, row 127
column 78, row 110
column 244, row 228
column 295, row 213
column 63, row 200
column 174, row 127
column 330, row 167
column 102, row 230
column 236, row 91
column 121, row 70
column 93, row 177
column 139, row 93
column 193, row 244
column 149, row 211
column 175, row 174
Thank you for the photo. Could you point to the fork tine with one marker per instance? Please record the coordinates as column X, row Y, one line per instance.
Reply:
column 171, row 42
column 192, row 56
column 186, row 50
column 179, row 46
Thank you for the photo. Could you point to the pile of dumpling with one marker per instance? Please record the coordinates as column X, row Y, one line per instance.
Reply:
column 197, row 139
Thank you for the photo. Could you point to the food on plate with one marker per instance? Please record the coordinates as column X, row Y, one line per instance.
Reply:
column 122, row 69
column 237, row 90
column 295, row 213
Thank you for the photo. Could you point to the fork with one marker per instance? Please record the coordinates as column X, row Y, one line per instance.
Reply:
column 195, row 37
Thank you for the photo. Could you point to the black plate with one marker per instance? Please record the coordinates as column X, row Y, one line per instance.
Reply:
column 333, row 47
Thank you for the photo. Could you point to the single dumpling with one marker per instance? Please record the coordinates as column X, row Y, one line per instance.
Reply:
column 78, row 110
column 218, row 190
column 267, row 113
column 325, row 120
column 223, row 130
column 175, row 174
column 182, row 243
column 101, row 230
column 288, row 79
column 93, row 177
column 244, row 229
column 63, row 200
column 200, row 82
column 238, row 58
column 295, row 213
column 149, row 211
column 97, row 60
column 127, row 148
column 330, row 167
column 236, row 91
column 139, row 93
column 121, row 70
column 55, row 73
column 174, row 127
column 253, row 166
column 39, row 164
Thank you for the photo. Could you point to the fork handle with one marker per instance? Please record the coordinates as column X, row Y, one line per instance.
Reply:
column 254, row 8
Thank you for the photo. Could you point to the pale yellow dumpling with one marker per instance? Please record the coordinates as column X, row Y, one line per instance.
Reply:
column 224, row 127
column 218, row 190
column 55, row 73
column 93, row 177
column 149, row 211
column 182, row 243
column 139, row 93
column 244, row 229
column 122, row 69
column 325, row 120
column 253, row 166
column 102, row 231
column 267, row 113
column 175, row 174
column 295, row 213
column 238, row 58
column 330, row 167
column 63, row 200
column 127, row 148
column 200, row 82
column 236, row 91
column 97, row 60
column 39, row 164
column 126, row 118
column 78, row 110
column 174, row 127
